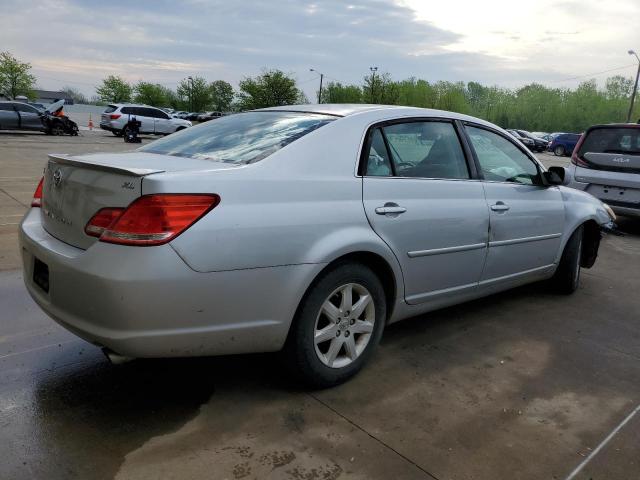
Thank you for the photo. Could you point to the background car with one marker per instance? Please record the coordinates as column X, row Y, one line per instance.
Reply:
column 539, row 144
column 20, row 116
column 193, row 116
column 564, row 143
column 205, row 117
column 606, row 164
column 152, row 120
column 305, row 229
column 528, row 142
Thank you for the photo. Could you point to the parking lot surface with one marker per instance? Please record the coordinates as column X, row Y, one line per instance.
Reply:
column 525, row 384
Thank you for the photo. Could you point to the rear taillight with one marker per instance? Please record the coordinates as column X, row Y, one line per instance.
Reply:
column 37, row 195
column 114, row 116
column 151, row 219
column 102, row 220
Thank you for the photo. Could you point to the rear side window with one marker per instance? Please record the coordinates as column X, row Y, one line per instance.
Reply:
column 612, row 140
column 419, row 149
column 241, row 138
column 110, row 109
column 6, row 107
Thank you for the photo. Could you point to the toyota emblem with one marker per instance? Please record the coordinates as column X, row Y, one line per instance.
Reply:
column 57, row 178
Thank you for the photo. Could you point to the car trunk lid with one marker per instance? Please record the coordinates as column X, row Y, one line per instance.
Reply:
column 75, row 188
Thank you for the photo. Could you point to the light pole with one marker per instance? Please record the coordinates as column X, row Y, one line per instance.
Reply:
column 373, row 80
column 635, row 86
column 190, row 93
column 321, row 77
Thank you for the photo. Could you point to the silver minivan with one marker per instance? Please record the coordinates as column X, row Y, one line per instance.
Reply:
column 152, row 120
column 606, row 164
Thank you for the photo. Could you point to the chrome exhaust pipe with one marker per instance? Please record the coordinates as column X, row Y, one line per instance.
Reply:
column 115, row 358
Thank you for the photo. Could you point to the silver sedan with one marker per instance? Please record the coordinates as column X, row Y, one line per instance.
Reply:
column 305, row 229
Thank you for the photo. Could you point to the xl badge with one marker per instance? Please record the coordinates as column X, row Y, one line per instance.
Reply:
column 57, row 178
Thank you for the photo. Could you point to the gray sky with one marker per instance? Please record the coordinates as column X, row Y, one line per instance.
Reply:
column 77, row 43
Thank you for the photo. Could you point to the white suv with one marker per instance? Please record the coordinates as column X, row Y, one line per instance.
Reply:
column 152, row 120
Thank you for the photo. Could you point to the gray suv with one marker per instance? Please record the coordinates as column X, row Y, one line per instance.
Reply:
column 606, row 164
column 152, row 120
column 20, row 116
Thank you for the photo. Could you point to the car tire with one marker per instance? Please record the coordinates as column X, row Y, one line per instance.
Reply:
column 323, row 348
column 559, row 151
column 56, row 129
column 566, row 279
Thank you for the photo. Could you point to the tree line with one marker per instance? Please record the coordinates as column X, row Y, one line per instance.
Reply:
column 534, row 107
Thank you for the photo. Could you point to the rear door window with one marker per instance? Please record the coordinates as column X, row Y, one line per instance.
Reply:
column 426, row 149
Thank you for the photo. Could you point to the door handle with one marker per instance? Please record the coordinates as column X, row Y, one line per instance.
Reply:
column 390, row 209
column 499, row 207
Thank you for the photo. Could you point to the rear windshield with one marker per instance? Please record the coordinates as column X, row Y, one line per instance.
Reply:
column 612, row 140
column 110, row 108
column 241, row 138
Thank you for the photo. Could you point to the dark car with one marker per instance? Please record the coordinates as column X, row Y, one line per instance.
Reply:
column 564, row 144
column 193, row 116
column 205, row 117
column 20, row 116
column 539, row 144
column 529, row 143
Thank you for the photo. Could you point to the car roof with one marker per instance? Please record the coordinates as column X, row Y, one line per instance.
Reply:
column 387, row 111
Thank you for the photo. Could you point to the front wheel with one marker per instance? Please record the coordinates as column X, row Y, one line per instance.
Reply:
column 338, row 325
column 567, row 276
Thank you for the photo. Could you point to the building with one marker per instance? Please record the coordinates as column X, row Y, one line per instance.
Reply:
column 49, row 96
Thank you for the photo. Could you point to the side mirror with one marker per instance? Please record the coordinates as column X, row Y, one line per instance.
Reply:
column 554, row 176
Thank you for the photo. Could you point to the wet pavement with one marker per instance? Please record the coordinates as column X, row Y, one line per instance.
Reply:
column 521, row 385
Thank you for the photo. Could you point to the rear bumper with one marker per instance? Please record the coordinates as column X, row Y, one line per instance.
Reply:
column 146, row 302
column 595, row 181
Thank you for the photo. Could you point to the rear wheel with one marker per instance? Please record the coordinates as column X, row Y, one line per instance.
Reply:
column 559, row 151
column 567, row 276
column 337, row 327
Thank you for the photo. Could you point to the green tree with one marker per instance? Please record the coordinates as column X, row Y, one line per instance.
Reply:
column 114, row 89
column 379, row 88
column 272, row 88
column 221, row 95
column 335, row 92
column 15, row 78
column 196, row 93
column 152, row 94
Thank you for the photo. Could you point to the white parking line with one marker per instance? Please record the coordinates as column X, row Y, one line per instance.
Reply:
column 602, row 444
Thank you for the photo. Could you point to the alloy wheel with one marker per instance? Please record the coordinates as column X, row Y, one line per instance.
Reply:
column 344, row 325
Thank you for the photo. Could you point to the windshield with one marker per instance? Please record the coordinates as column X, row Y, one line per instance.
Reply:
column 241, row 138
column 612, row 140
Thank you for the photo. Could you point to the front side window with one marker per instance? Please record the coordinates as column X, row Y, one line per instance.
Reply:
column 21, row 107
column 241, row 138
column 500, row 160
column 425, row 149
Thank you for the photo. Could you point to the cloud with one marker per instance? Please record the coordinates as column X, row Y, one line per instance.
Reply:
column 78, row 42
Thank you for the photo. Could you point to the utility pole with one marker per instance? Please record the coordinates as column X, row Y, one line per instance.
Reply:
column 190, row 93
column 373, row 81
column 635, row 86
column 321, row 77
